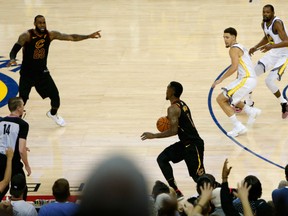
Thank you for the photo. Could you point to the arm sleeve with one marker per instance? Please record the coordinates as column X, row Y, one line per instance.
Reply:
column 14, row 51
column 226, row 201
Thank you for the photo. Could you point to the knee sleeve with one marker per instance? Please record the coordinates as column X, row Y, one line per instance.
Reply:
column 259, row 69
column 270, row 82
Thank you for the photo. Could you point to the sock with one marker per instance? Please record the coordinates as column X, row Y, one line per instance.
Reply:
column 234, row 120
column 282, row 99
column 247, row 109
column 172, row 184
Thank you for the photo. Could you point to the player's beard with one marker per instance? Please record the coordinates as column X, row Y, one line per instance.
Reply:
column 38, row 30
column 266, row 19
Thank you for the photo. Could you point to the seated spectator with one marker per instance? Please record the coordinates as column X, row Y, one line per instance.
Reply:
column 254, row 193
column 282, row 184
column 20, row 207
column 166, row 205
column 115, row 188
column 216, row 201
column 62, row 207
column 250, row 185
column 158, row 188
column 280, row 198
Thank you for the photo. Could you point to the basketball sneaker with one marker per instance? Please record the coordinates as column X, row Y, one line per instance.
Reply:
column 253, row 115
column 179, row 195
column 284, row 110
column 56, row 118
column 238, row 130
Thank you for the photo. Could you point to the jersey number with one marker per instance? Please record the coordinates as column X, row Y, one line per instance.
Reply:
column 39, row 53
column 6, row 129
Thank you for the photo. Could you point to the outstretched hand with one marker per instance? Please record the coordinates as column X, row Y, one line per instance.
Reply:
column 225, row 171
column 96, row 34
column 242, row 190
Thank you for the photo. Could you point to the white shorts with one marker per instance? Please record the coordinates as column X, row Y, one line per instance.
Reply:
column 238, row 89
column 272, row 62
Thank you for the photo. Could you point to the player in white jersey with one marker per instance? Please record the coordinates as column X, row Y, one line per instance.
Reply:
column 13, row 134
column 275, row 43
column 245, row 82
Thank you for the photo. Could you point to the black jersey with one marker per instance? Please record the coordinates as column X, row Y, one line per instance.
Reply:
column 11, row 129
column 186, row 127
column 35, row 53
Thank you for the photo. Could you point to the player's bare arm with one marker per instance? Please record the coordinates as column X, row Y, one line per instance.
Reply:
column 173, row 116
column 23, row 38
column 279, row 28
column 73, row 37
column 234, row 53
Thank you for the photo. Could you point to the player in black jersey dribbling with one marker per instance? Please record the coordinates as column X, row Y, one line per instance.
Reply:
column 34, row 71
column 190, row 148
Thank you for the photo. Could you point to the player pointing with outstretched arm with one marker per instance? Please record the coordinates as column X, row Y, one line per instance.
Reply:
column 34, row 71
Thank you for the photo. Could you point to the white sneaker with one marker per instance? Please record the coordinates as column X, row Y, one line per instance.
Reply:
column 253, row 115
column 57, row 119
column 239, row 129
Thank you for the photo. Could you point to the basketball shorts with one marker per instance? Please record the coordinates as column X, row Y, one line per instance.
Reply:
column 274, row 63
column 238, row 89
column 43, row 84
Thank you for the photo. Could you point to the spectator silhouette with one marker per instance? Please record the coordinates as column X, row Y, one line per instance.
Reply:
column 115, row 187
column 280, row 198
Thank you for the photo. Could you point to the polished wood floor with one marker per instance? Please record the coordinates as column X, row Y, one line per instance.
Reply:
column 113, row 89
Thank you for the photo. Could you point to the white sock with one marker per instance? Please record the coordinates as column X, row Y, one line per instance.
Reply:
column 247, row 109
column 234, row 120
column 282, row 99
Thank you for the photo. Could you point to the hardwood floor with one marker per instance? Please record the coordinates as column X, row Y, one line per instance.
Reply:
column 113, row 89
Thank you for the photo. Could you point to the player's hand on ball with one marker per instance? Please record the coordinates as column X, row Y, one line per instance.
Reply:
column 147, row 135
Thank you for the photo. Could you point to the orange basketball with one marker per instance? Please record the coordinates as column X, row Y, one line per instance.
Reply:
column 163, row 124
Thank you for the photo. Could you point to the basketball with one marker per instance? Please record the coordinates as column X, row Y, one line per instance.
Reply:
column 163, row 124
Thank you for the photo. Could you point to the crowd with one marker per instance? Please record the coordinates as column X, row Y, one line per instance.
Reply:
column 117, row 187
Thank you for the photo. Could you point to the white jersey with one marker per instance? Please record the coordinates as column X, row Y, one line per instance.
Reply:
column 8, row 136
column 11, row 129
column 246, row 66
column 274, row 38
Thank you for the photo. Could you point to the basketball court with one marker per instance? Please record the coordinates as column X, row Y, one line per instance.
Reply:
column 113, row 89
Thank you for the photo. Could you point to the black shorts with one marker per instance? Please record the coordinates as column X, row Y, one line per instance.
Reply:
column 44, row 85
column 192, row 153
